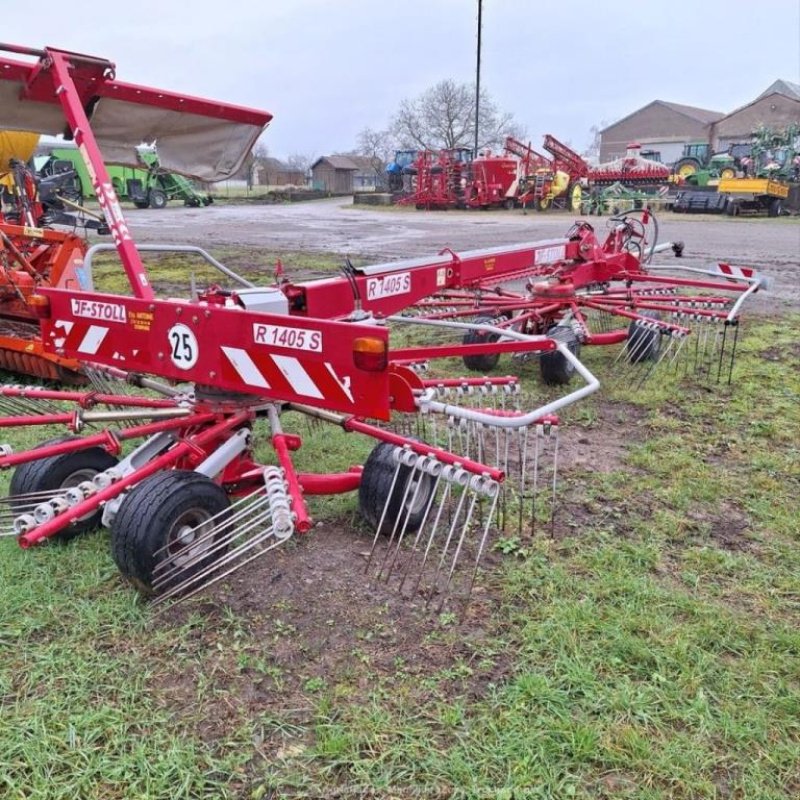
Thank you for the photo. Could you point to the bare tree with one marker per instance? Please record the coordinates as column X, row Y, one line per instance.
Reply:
column 378, row 147
column 253, row 163
column 593, row 150
column 299, row 161
column 444, row 117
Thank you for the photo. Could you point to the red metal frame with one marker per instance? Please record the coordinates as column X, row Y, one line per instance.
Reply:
column 311, row 357
column 73, row 81
column 606, row 277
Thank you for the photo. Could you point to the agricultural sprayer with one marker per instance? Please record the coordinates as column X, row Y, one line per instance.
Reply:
column 162, row 449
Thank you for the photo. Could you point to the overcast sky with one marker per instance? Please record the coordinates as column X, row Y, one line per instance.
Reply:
column 328, row 68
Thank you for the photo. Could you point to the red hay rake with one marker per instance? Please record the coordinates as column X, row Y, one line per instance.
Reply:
column 580, row 291
column 187, row 381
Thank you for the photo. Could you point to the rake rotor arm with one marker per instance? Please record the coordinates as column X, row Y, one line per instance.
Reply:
column 109, row 440
column 183, row 448
column 354, row 425
column 532, row 417
column 753, row 280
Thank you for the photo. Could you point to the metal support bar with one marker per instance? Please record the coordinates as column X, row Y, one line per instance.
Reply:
column 164, row 248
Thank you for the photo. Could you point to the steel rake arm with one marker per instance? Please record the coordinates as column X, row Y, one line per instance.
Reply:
column 531, row 417
column 426, row 402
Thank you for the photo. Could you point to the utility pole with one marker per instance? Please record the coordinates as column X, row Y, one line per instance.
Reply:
column 478, row 79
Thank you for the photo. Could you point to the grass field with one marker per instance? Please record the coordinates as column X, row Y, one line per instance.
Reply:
column 651, row 649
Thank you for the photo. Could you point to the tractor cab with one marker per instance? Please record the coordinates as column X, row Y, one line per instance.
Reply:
column 462, row 155
column 699, row 151
column 403, row 164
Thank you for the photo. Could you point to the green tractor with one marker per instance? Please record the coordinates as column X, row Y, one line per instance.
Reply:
column 146, row 186
column 698, row 165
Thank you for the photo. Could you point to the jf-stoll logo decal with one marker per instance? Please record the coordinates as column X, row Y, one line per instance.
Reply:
column 388, row 285
column 95, row 309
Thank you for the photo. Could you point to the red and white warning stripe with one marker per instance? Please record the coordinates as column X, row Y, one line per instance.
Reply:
column 737, row 273
column 310, row 379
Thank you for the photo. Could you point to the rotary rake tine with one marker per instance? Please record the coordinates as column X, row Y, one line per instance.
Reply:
column 434, row 504
column 435, row 517
column 205, row 554
column 732, row 357
column 712, row 355
column 15, row 401
column 410, row 497
column 11, row 508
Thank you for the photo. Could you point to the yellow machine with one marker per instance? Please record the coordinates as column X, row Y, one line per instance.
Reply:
column 763, row 186
column 15, row 144
column 754, row 194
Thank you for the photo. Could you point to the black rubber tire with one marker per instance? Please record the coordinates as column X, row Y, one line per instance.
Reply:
column 775, row 207
column 157, row 198
column 555, row 369
column 141, row 203
column 376, row 483
column 484, row 362
column 151, row 512
column 509, row 204
column 642, row 344
column 66, row 470
column 732, row 208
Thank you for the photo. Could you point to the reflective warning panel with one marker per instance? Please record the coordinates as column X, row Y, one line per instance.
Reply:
column 277, row 357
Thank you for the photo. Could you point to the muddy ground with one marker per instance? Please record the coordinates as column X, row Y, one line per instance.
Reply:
column 336, row 226
column 310, row 602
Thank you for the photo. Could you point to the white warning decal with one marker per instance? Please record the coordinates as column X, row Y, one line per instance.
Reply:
column 183, row 348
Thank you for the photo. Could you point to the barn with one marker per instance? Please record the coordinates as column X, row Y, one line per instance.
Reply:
column 777, row 107
column 660, row 126
column 274, row 172
column 333, row 174
column 666, row 127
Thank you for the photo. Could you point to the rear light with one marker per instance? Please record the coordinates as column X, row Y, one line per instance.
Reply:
column 39, row 305
column 370, row 354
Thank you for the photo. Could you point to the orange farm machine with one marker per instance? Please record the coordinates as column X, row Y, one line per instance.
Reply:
column 162, row 449
column 33, row 253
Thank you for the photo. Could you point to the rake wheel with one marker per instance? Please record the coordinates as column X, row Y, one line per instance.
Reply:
column 63, row 472
column 555, row 369
column 484, row 362
column 159, row 519
column 376, row 484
